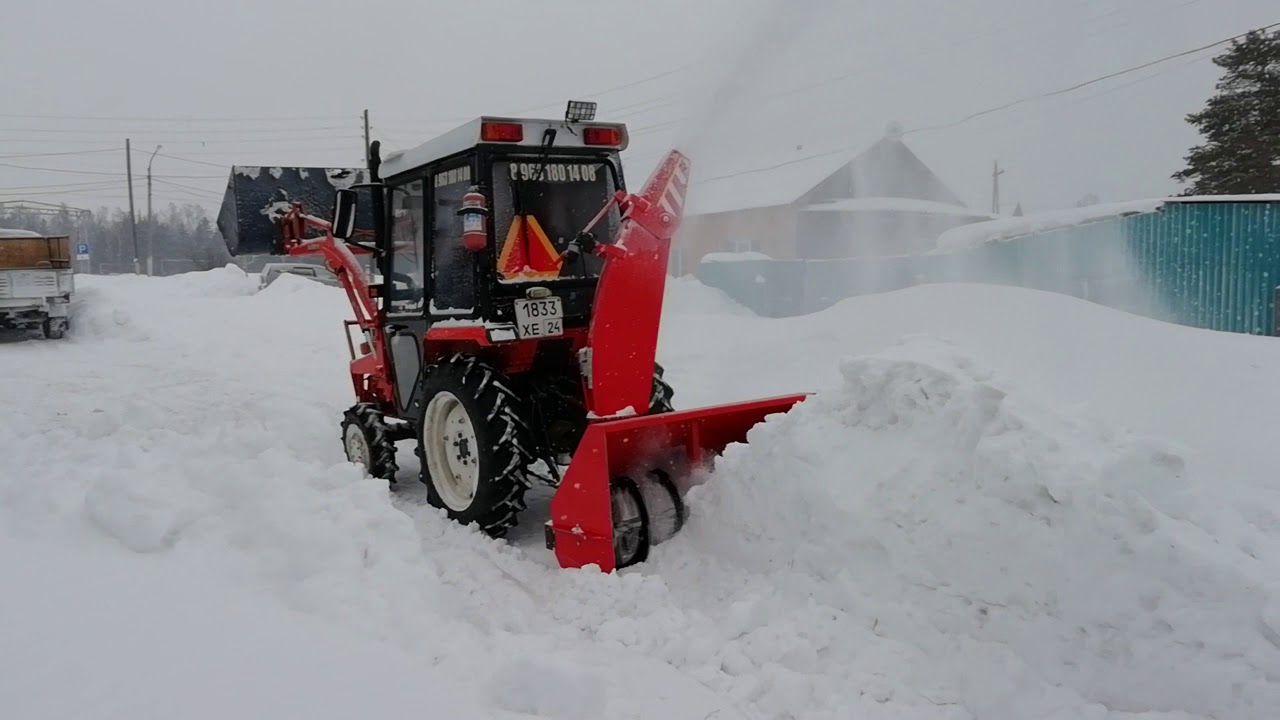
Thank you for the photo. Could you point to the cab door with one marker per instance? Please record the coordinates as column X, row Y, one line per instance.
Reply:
column 406, row 286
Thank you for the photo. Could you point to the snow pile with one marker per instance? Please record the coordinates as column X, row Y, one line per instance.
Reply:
column 973, row 235
column 1017, row 561
column 923, row 538
column 685, row 296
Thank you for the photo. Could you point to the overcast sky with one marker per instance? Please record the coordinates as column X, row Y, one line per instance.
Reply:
column 276, row 82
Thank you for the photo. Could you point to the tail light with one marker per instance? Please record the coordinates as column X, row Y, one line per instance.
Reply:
column 602, row 136
column 501, row 132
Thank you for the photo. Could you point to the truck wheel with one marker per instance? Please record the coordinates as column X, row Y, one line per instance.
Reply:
column 54, row 328
column 473, row 446
column 368, row 441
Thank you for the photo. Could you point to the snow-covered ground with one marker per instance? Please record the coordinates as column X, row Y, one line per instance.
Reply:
column 1000, row 504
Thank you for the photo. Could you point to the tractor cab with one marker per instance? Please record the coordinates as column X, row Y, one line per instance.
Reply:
column 492, row 225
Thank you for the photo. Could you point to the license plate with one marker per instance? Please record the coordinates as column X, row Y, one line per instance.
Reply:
column 539, row 318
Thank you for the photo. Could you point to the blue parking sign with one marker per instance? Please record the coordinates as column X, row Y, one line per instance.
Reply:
column 82, row 249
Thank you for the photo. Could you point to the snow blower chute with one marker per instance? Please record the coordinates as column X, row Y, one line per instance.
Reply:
column 503, row 338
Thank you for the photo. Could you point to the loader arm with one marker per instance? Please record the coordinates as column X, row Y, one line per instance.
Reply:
column 369, row 372
column 623, row 336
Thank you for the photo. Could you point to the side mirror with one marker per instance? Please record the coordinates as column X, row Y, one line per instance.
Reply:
column 344, row 214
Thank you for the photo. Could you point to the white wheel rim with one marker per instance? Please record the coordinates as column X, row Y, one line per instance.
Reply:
column 357, row 446
column 452, row 452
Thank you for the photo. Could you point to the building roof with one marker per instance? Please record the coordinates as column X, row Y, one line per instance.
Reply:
column 781, row 181
column 13, row 234
column 885, row 169
column 897, row 204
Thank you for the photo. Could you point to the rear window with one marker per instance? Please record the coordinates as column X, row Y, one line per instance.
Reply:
column 539, row 207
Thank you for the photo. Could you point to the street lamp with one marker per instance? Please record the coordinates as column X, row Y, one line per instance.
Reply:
column 151, row 227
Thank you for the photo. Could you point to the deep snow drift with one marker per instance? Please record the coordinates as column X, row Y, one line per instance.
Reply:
column 999, row 504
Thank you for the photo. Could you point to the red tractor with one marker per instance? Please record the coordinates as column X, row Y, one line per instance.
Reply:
column 513, row 328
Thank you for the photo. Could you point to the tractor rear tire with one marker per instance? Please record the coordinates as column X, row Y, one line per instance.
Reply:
column 474, row 448
column 369, row 442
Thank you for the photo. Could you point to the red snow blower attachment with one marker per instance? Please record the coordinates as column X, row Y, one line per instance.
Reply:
column 505, row 340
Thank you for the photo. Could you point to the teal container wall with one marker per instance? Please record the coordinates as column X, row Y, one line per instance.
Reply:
column 1212, row 265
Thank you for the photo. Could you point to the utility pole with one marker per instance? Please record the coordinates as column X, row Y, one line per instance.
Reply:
column 366, row 137
column 151, row 227
column 996, row 172
column 133, row 220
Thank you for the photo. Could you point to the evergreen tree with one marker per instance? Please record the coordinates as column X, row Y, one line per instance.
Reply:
column 1240, row 124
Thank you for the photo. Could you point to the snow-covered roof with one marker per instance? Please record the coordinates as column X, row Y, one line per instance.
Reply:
column 745, row 256
column 883, row 168
column 8, row 234
column 780, row 180
column 897, row 205
column 1261, row 197
column 974, row 235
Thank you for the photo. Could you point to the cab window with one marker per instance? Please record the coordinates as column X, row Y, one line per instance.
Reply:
column 453, row 273
column 407, row 232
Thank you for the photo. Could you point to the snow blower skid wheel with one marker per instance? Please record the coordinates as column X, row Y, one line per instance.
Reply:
column 369, row 442
column 646, row 513
column 473, row 447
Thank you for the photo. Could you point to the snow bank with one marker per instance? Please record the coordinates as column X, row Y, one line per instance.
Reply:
column 967, row 237
column 1016, row 560
column 686, row 296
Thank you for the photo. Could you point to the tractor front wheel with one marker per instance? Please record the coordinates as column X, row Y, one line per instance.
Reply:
column 474, row 448
column 369, row 441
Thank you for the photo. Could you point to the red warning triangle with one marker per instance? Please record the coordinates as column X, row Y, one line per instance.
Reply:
column 527, row 253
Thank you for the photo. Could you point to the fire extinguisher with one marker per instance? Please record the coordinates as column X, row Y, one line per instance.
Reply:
column 475, row 216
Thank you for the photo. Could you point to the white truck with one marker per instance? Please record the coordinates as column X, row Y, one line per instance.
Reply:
column 36, row 281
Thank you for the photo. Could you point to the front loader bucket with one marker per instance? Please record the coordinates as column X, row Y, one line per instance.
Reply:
column 621, row 492
column 256, row 196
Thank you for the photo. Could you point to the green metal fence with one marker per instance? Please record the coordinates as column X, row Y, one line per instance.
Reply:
column 1208, row 264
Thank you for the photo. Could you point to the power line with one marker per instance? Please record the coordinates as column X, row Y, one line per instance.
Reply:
column 58, row 185
column 188, row 188
column 179, row 131
column 1054, row 93
column 93, row 172
column 183, row 159
column 174, row 141
column 11, row 156
column 92, row 190
column 1094, row 81
column 181, row 119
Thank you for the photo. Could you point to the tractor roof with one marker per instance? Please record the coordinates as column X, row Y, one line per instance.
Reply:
column 501, row 131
